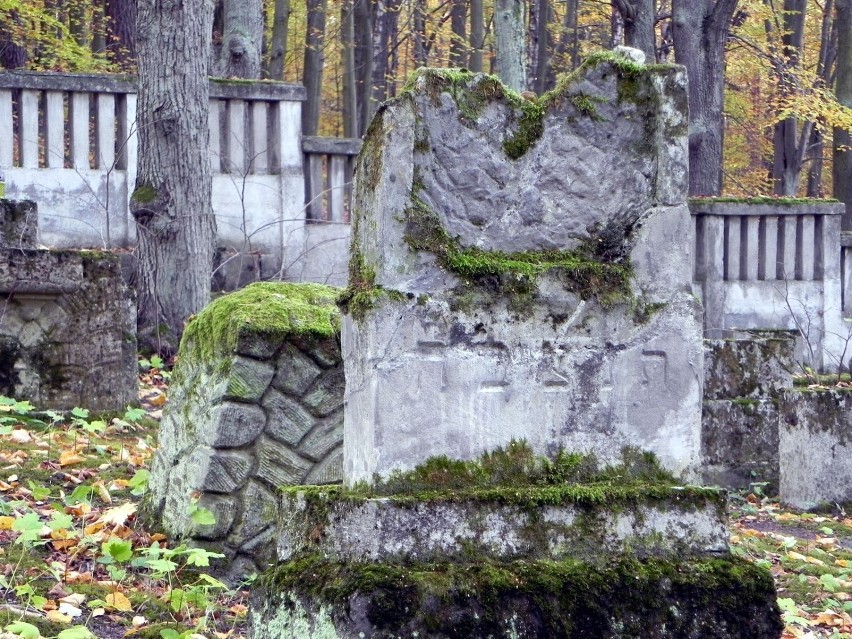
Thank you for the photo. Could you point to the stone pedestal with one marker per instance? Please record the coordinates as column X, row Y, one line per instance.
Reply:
column 521, row 272
column 255, row 404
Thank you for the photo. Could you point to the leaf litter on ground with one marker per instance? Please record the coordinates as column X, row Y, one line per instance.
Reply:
column 75, row 562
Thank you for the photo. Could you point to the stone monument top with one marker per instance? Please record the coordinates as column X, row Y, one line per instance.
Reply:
column 521, row 269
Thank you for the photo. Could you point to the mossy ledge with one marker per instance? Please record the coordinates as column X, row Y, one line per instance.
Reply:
column 516, row 475
column 271, row 309
column 557, row 599
column 583, row 271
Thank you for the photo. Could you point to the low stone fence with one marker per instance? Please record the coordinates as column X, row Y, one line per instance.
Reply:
column 256, row 403
column 69, row 143
column 772, row 264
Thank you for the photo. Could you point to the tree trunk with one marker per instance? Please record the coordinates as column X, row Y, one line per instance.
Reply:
column 349, row 112
column 458, row 25
column 363, row 15
column 843, row 90
column 699, row 32
column 312, row 71
column 278, row 44
column 541, row 70
column 242, row 38
column 477, row 35
column 816, row 147
column 384, row 43
column 509, row 43
column 788, row 146
column 567, row 51
column 171, row 202
column 121, row 22
column 421, row 51
column 639, row 17
column 13, row 54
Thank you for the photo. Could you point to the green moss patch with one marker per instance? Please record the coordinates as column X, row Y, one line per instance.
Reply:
column 516, row 475
column 555, row 599
column 271, row 309
column 584, row 273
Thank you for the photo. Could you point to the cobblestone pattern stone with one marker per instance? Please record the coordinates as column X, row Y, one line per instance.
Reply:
column 236, row 429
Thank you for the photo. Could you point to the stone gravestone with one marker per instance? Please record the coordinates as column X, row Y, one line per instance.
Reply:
column 67, row 321
column 524, row 270
column 255, row 403
column 519, row 271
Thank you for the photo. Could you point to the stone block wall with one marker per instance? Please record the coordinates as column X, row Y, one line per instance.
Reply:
column 68, row 321
column 256, row 403
column 743, row 382
column 815, row 447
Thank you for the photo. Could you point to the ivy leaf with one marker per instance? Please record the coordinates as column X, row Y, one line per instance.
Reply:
column 119, row 549
column 24, row 630
column 202, row 516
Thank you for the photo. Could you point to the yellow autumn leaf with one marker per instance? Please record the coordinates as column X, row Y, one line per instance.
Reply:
column 796, row 556
column 119, row 515
column 118, row 601
column 843, row 563
column 69, row 458
column 57, row 617
column 102, row 491
column 6, row 523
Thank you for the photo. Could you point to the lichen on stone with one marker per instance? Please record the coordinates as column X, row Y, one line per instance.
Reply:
column 273, row 309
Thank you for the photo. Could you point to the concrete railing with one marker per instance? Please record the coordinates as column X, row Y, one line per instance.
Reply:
column 768, row 265
column 329, row 166
column 69, row 143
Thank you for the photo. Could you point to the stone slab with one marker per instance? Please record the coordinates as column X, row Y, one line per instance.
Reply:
column 815, row 448
column 550, row 523
column 739, row 442
column 446, row 363
column 624, row 599
column 756, row 367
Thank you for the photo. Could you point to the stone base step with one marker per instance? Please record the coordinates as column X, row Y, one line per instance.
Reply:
column 588, row 521
column 313, row 598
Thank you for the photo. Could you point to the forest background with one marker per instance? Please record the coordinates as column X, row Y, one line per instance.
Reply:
column 786, row 117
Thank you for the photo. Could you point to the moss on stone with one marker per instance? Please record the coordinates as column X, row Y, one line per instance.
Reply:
column 584, row 274
column 555, row 599
column 762, row 199
column 272, row 310
column 516, row 475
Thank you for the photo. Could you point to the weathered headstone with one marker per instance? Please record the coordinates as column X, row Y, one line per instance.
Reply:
column 744, row 379
column 520, row 271
column 68, row 321
column 523, row 270
column 255, row 404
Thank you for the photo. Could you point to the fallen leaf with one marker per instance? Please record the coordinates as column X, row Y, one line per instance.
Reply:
column 70, row 610
column 69, row 458
column 117, row 516
column 57, row 617
column 118, row 601
column 76, row 599
column 6, row 523
column 102, row 492
column 20, row 436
